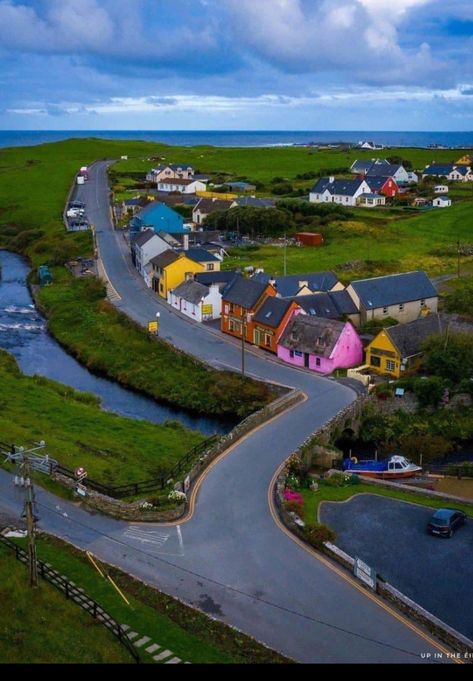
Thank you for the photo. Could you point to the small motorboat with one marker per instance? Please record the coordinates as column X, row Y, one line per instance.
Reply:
column 393, row 468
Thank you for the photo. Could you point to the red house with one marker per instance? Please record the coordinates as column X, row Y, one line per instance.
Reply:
column 240, row 302
column 383, row 185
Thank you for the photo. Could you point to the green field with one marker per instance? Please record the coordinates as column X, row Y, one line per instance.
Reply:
column 114, row 450
column 188, row 633
column 39, row 626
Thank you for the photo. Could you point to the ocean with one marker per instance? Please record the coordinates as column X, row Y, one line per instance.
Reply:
column 250, row 138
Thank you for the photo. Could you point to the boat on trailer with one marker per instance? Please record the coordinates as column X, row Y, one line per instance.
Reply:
column 393, row 468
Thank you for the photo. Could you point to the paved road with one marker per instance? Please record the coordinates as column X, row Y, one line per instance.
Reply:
column 231, row 559
column 390, row 535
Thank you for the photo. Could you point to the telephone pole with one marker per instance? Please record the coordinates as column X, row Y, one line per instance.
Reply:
column 458, row 259
column 285, row 255
column 23, row 479
column 243, row 339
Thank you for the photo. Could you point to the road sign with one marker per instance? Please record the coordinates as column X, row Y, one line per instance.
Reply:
column 365, row 573
column 81, row 473
column 81, row 490
column 153, row 327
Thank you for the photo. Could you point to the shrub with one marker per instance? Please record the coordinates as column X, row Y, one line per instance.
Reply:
column 294, row 507
column 290, row 495
column 317, row 535
column 429, row 391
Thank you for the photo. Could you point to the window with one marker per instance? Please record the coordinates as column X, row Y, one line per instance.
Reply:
column 226, row 309
column 390, row 366
column 375, row 361
column 385, row 310
column 317, row 361
column 422, row 303
column 267, row 340
column 401, row 307
column 291, row 354
column 232, row 310
column 210, row 267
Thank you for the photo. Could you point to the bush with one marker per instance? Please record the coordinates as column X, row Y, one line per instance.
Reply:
column 282, row 188
column 429, row 391
column 317, row 535
column 294, row 507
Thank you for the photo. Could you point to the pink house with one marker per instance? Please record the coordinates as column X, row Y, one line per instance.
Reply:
column 322, row 345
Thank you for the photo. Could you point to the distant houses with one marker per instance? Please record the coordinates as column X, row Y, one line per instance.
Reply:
column 449, row 171
column 342, row 192
column 441, row 202
column 173, row 171
column 207, row 206
column 380, row 167
column 181, row 186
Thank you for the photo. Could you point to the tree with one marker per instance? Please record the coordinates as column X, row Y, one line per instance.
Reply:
column 429, row 391
column 398, row 160
column 449, row 356
column 460, row 298
column 264, row 222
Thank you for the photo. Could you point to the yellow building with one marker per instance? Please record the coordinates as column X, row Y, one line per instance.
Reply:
column 466, row 160
column 170, row 269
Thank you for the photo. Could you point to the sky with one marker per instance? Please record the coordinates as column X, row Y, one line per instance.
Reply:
column 236, row 64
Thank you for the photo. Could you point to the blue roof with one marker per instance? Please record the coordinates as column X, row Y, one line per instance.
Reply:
column 394, row 289
column 376, row 182
column 332, row 305
column 161, row 218
column 383, row 169
column 435, row 169
column 339, row 187
column 199, row 255
column 132, row 202
column 289, row 286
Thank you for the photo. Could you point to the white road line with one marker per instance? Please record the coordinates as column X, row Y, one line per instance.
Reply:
column 181, row 542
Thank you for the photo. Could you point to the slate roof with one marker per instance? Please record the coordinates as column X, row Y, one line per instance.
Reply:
column 344, row 302
column 245, row 292
column 313, row 335
column 338, row 187
column 371, row 196
column 435, row 169
column 191, row 291
column 144, row 237
column 254, row 202
column 383, row 169
column 361, row 166
column 377, row 182
column 199, row 255
column 409, row 338
column 289, row 286
column 333, row 305
column 243, row 186
column 165, row 259
column 208, row 206
column 272, row 312
column 394, row 289
column 209, row 278
column 133, row 202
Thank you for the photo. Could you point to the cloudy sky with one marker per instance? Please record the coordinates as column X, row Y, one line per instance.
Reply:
column 236, row 64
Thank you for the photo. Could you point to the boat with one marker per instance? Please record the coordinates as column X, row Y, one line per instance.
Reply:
column 393, row 468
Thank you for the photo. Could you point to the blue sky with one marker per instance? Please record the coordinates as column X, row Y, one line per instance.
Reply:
column 236, row 64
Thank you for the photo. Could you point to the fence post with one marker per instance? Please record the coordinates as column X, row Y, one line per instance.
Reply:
column 95, row 610
column 67, row 589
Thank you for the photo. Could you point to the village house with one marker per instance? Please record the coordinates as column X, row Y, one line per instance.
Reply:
column 170, row 269
column 382, row 184
column 181, row 186
column 222, row 279
column 207, row 206
column 398, row 350
column 404, row 297
column 344, row 192
column 371, row 200
column 133, row 206
column 145, row 247
column 270, row 321
column 394, row 170
column 209, row 261
column 294, row 285
column 466, row 160
column 197, row 301
column 331, row 305
column 322, row 345
column 441, row 202
column 449, row 171
column 173, row 171
column 160, row 218
column 372, row 146
column 240, row 302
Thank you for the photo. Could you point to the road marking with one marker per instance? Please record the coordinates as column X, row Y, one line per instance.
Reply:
column 347, row 577
column 181, row 543
column 144, row 536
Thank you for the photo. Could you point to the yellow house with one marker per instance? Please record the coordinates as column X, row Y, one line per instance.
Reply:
column 398, row 350
column 466, row 160
column 170, row 269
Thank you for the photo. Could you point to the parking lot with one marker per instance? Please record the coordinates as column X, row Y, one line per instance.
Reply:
column 391, row 536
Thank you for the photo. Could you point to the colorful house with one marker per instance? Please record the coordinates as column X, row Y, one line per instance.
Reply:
column 399, row 349
column 240, row 302
column 382, row 184
column 170, row 269
column 271, row 320
column 322, row 345
column 197, row 301
column 160, row 218
column 210, row 262
column 301, row 284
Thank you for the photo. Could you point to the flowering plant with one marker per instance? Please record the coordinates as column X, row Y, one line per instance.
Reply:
column 177, row 496
column 290, row 495
column 146, row 506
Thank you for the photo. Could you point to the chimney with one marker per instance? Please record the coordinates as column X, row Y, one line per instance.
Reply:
column 185, row 242
column 272, row 282
column 331, row 179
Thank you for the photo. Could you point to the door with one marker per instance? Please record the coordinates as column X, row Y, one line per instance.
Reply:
column 306, row 360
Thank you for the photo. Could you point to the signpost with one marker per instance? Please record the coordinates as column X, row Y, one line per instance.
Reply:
column 153, row 327
column 365, row 573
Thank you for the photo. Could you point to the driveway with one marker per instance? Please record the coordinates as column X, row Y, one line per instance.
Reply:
column 390, row 535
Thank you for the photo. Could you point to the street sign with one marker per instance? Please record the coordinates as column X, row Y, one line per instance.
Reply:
column 153, row 327
column 187, row 484
column 81, row 473
column 365, row 573
column 81, row 490
column 207, row 310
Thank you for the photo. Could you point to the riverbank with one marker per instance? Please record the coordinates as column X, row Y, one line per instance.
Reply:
column 112, row 449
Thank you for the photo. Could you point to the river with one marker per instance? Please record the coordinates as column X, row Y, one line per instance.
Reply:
column 23, row 333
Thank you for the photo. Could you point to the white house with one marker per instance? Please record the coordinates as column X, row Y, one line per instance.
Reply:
column 181, row 186
column 147, row 245
column 197, row 301
column 371, row 200
column 171, row 171
column 441, row 189
column 344, row 192
column 442, row 202
column 451, row 172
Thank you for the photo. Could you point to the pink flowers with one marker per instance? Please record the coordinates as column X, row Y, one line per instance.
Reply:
column 290, row 495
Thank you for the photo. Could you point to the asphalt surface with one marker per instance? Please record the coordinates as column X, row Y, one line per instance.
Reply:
column 231, row 560
column 391, row 536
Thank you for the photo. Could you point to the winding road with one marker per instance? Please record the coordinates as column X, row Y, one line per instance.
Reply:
column 231, row 559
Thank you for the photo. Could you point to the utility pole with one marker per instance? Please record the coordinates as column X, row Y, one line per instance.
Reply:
column 24, row 480
column 458, row 260
column 285, row 255
column 243, row 334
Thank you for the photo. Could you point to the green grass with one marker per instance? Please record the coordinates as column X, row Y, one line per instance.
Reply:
column 312, row 500
column 113, row 449
column 426, row 241
column 108, row 342
column 186, row 632
column 41, row 626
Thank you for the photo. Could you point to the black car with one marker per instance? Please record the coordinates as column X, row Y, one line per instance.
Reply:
column 445, row 521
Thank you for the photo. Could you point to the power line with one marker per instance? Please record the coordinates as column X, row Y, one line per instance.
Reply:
column 235, row 590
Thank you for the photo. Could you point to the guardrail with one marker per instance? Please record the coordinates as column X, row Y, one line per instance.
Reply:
column 73, row 593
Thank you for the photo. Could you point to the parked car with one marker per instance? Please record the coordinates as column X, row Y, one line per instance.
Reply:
column 445, row 521
column 75, row 213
